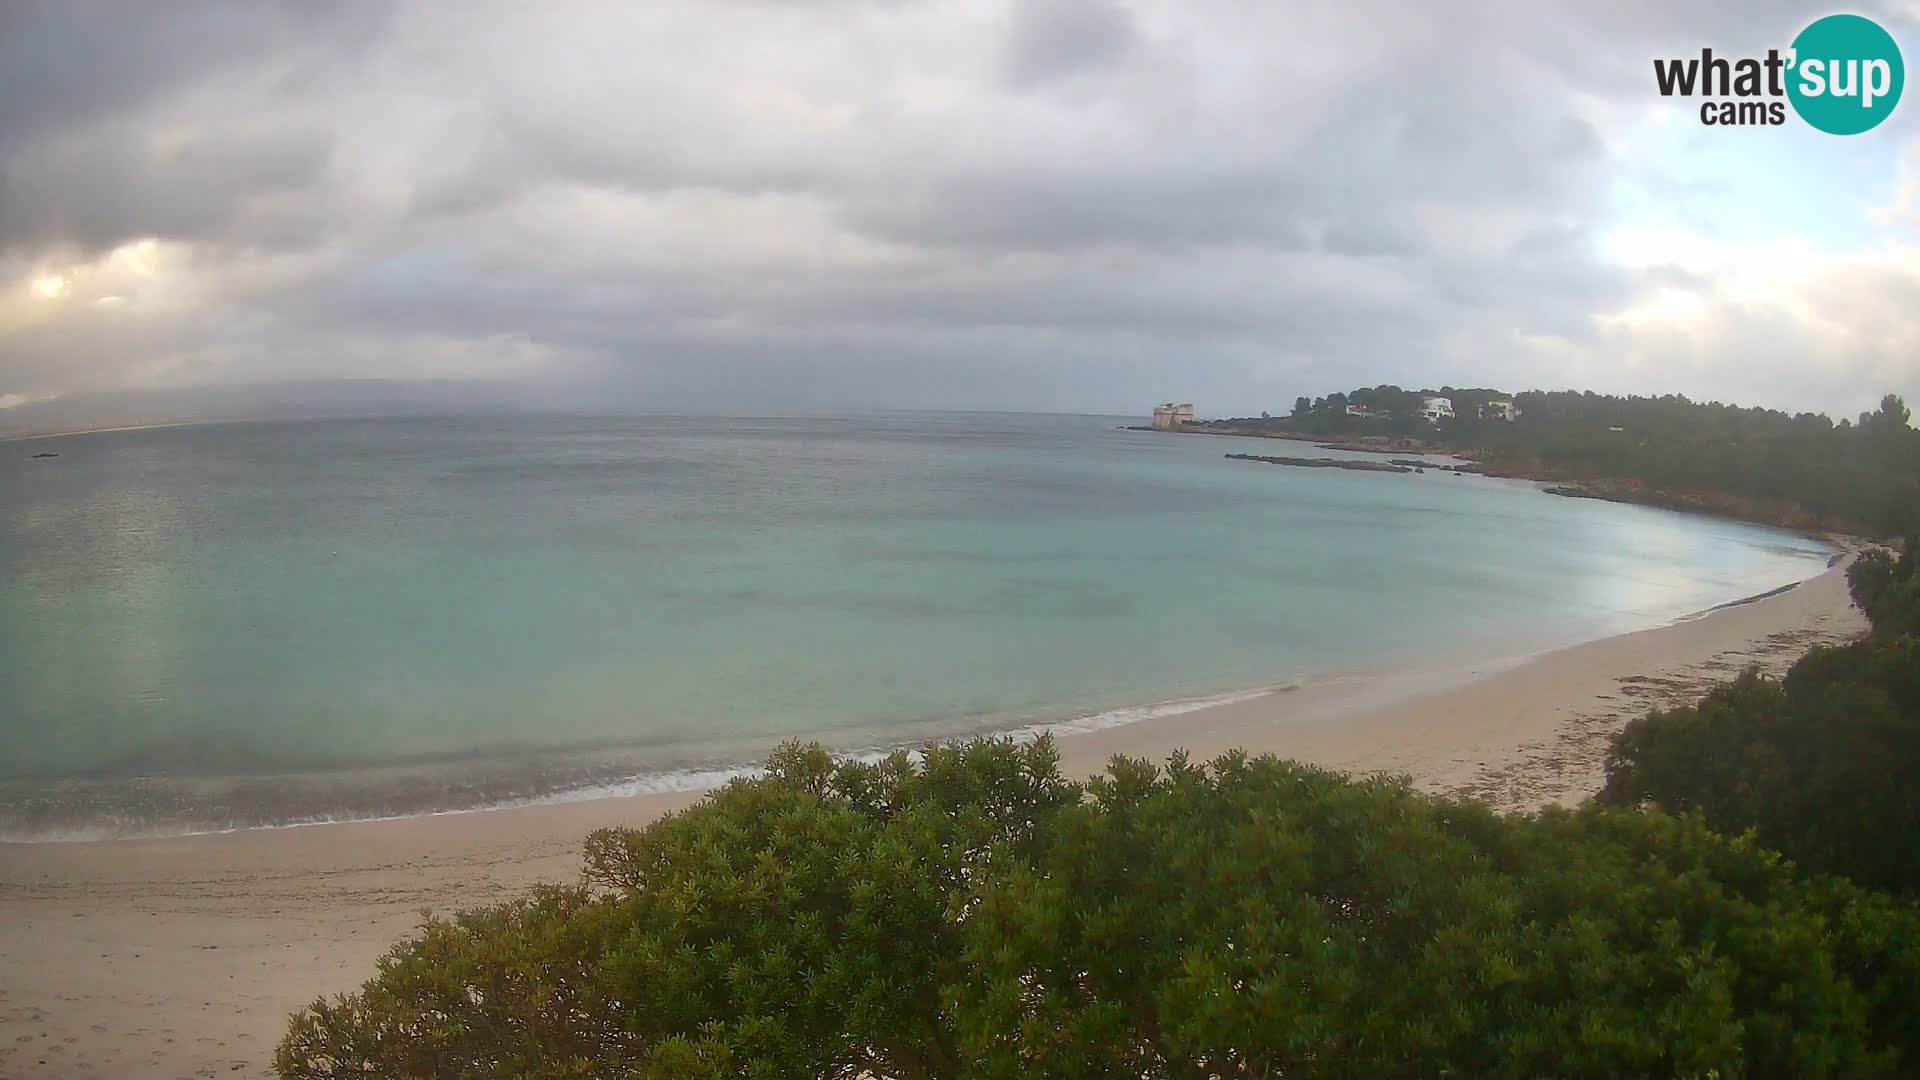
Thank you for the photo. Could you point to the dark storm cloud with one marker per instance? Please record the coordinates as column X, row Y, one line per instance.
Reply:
column 1050, row 202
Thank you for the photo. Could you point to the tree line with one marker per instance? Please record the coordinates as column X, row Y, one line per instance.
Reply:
column 1738, row 903
column 1852, row 475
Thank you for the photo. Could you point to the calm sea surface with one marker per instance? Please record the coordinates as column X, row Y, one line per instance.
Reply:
column 243, row 624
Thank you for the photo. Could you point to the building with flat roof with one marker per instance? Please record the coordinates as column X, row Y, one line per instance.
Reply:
column 1170, row 416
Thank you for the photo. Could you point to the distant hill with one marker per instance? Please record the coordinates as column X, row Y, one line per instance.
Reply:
column 274, row 401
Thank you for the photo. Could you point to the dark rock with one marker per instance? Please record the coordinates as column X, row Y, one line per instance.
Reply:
column 49, row 454
column 1323, row 463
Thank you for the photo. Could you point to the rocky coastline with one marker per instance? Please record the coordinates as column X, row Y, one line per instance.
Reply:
column 1775, row 512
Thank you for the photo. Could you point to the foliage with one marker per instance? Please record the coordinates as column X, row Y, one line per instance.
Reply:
column 1267, row 919
column 1888, row 590
column 795, row 925
column 1820, row 764
column 974, row 915
column 1862, row 477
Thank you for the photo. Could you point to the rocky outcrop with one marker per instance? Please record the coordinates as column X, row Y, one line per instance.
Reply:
column 1324, row 463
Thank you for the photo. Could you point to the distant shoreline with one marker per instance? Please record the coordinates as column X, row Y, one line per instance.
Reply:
column 102, row 430
column 1606, row 489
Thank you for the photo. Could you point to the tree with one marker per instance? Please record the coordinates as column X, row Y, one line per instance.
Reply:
column 1302, row 406
column 1801, row 471
column 1262, row 918
column 796, row 925
column 972, row 915
column 1820, row 764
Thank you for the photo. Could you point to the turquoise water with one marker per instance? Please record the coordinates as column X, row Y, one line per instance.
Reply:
column 239, row 624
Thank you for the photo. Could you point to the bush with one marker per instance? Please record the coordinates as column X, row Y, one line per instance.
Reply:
column 974, row 915
column 1819, row 765
column 796, row 925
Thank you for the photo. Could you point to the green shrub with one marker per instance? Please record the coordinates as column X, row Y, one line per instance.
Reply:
column 1820, row 765
column 974, row 915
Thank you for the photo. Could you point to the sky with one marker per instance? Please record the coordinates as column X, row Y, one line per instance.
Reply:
column 1061, row 205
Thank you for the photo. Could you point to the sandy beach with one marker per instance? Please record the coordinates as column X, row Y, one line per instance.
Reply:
column 183, row 957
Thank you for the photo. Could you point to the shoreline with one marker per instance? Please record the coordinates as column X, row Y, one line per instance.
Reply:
column 1519, row 733
column 1704, row 502
column 184, row 955
column 400, row 791
column 30, row 436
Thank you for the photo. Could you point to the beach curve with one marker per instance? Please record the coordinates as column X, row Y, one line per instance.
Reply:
column 182, row 955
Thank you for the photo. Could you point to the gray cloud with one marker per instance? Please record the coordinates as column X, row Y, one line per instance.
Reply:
column 1066, row 204
column 98, row 192
column 64, row 63
column 1054, row 39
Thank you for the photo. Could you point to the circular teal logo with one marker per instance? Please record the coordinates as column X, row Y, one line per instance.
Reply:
column 1845, row 74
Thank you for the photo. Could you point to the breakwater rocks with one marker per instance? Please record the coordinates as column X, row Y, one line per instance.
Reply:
column 1324, row 463
column 1417, row 465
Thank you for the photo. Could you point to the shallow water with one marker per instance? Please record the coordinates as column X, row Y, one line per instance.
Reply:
column 240, row 624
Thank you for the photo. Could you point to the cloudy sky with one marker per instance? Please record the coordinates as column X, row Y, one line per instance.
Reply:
column 1080, row 205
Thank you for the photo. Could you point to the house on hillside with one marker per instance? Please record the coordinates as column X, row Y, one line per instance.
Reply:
column 1168, row 417
column 1499, row 410
column 1365, row 413
column 1436, row 408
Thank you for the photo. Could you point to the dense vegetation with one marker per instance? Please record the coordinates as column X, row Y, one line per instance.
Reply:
column 1802, row 470
column 1823, row 764
column 975, row 914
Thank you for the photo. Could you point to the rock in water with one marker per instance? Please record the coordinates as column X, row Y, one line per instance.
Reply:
column 1323, row 463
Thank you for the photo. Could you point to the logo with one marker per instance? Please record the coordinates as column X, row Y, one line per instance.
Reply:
column 1842, row 74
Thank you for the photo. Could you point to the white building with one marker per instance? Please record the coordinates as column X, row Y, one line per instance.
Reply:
column 1362, row 411
column 1169, row 416
column 1436, row 408
column 1499, row 410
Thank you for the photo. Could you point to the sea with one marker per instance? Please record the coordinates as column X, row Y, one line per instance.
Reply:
column 242, row 625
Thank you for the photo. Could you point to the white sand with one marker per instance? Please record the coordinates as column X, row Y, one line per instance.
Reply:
column 183, row 957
